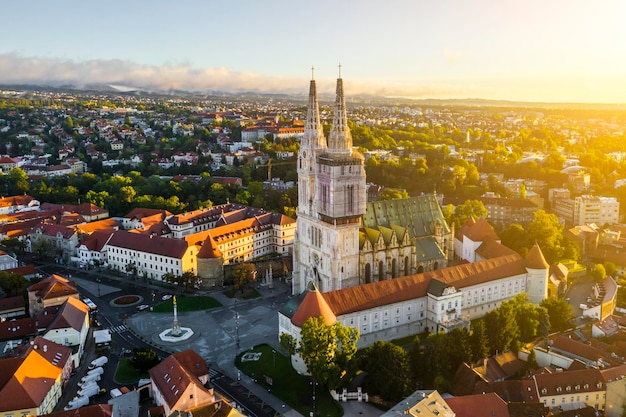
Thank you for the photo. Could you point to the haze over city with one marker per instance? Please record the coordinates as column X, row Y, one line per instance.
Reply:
column 556, row 51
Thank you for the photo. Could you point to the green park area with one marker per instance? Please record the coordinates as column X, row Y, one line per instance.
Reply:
column 272, row 370
column 126, row 373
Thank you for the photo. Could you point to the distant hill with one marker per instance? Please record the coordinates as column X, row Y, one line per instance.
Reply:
column 361, row 99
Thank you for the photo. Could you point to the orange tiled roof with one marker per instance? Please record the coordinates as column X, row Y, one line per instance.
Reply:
column 313, row 305
column 53, row 286
column 172, row 379
column 396, row 290
column 480, row 405
column 32, row 379
column 535, row 258
column 209, row 250
column 96, row 410
column 72, row 315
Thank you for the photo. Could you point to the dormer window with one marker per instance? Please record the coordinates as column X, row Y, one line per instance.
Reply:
column 586, row 386
column 544, row 391
column 558, row 389
column 568, row 388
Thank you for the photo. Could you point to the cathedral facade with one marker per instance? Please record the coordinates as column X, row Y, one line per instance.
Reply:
column 341, row 240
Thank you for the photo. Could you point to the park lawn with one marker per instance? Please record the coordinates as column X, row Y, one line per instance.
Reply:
column 126, row 374
column 286, row 384
column 201, row 302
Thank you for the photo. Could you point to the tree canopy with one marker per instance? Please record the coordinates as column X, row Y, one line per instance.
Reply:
column 327, row 351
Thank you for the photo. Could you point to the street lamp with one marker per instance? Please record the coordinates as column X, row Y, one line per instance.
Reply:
column 314, row 384
column 98, row 281
column 237, row 328
column 274, row 357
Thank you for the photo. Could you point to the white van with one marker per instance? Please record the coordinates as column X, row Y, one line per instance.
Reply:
column 96, row 371
column 101, row 361
column 89, row 390
column 89, row 378
column 77, row 402
column 92, row 306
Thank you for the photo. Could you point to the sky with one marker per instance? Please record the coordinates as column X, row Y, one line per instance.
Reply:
column 530, row 50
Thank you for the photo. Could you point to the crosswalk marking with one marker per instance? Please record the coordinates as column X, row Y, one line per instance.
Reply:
column 214, row 374
column 118, row 329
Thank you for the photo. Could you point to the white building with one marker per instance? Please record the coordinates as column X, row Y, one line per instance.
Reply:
column 149, row 255
column 587, row 209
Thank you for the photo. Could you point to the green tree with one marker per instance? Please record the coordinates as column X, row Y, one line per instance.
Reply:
column 547, row 232
column 327, row 351
column 393, row 194
column 559, row 312
column 479, row 343
column 470, row 208
column 513, row 236
column 387, row 367
column 144, row 359
column 502, row 329
column 598, row 272
column 610, row 268
column 12, row 283
column 243, row 274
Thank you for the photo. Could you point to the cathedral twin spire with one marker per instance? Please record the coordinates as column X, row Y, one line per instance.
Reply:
column 340, row 138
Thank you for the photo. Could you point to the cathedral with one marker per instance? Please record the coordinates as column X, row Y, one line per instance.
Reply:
column 343, row 241
column 382, row 267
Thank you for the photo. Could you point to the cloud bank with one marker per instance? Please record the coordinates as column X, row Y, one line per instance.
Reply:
column 17, row 69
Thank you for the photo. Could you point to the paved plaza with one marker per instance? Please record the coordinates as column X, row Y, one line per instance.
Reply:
column 217, row 330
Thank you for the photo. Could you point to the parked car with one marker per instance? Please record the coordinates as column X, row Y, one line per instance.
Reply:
column 142, row 307
column 166, row 297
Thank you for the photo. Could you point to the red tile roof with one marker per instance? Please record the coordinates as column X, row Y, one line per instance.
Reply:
column 173, row 248
column 172, row 378
column 12, row 303
column 53, row 286
column 313, row 305
column 72, row 315
column 579, row 381
column 96, row 410
column 32, row 378
column 396, row 290
column 480, row 405
column 535, row 259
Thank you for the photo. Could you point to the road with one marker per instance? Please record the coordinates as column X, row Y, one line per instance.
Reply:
column 102, row 290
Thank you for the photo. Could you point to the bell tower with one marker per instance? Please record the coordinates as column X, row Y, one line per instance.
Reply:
column 327, row 237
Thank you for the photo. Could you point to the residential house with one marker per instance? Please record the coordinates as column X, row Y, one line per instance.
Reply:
column 91, row 250
column 11, row 307
column 51, row 291
column 178, row 383
column 421, row 404
column 144, row 217
column 14, row 204
column 33, row 384
column 478, row 405
column 7, row 261
column 70, row 327
column 53, row 239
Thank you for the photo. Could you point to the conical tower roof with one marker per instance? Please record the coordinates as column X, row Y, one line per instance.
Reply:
column 314, row 305
column 340, row 138
column 209, row 249
column 535, row 259
column 313, row 132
